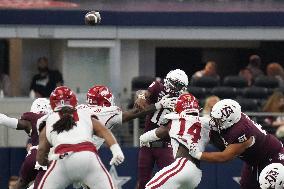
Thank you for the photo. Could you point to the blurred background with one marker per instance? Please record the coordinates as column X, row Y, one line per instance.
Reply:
column 237, row 45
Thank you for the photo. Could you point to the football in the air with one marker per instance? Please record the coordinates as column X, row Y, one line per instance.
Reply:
column 92, row 18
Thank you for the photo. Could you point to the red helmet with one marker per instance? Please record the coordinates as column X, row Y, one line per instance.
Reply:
column 62, row 97
column 100, row 95
column 187, row 104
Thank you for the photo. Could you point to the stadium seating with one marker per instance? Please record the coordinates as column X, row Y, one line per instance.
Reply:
column 235, row 81
column 248, row 105
column 224, row 92
column 256, row 92
column 266, row 81
column 206, row 82
column 198, row 92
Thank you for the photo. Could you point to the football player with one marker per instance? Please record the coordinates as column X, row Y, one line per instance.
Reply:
column 74, row 156
column 29, row 122
column 100, row 101
column 184, row 127
column 159, row 152
column 272, row 176
column 242, row 138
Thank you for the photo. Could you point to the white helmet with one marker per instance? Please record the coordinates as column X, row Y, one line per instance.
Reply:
column 269, row 176
column 176, row 82
column 41, row 105
column 225, row 113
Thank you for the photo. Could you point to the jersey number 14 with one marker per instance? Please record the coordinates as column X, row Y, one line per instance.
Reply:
column 194, row 130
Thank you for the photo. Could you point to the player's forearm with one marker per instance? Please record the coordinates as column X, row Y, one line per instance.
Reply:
column 42, row 157
column 8, row 121
column 135, row 113
column 215, row 157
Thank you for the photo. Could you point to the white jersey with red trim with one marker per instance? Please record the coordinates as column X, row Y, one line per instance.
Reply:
column 187, row 130
column 108, row 116
column 82, row 132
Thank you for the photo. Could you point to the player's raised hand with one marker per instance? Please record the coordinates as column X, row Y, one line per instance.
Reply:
column 166, row 102
column 117, row 155
column 194, row 151
column 141, row 101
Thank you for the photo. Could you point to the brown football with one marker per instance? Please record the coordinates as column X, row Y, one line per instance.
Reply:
column 92, row 18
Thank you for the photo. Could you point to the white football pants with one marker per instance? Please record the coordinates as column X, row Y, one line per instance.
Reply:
column 181, row 174
column 84, row 167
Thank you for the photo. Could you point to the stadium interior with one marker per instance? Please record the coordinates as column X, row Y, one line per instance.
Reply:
column 137, row 42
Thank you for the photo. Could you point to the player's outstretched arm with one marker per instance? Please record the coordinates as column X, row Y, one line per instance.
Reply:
column 103, row 132
column 153, row 135
column 43, row 149
column 14, row 123
column 135, row 113
column 232, row 151
column 165, row 102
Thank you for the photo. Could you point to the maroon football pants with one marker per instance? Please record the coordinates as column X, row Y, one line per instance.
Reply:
column 148, row 157
column 27, row 171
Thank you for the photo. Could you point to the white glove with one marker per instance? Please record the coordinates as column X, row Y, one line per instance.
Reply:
column 117, row 155
column 8, row 121
column 194, row 151
column 147, row 137
column 166, row 102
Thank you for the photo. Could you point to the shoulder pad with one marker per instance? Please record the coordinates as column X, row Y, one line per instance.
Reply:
column 171, row 116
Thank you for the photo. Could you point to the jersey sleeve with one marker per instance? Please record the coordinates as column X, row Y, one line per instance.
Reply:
column 26, row 116
column 114, row 120
column 239, row 134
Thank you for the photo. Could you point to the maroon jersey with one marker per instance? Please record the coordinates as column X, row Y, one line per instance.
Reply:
column 157, row 92
column 264, row 146
column 33, row 119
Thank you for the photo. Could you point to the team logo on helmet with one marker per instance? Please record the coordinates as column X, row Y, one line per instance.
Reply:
column 227, row 111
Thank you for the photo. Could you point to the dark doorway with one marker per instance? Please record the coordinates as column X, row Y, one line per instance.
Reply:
column 167, row 59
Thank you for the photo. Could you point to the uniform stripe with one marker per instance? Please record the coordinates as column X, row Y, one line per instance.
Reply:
column 167, row 172
column 169, row 176
column 46, row 174
column 106, row 172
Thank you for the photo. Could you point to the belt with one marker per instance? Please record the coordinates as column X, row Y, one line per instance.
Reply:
column 159, row 144
column 64, row 150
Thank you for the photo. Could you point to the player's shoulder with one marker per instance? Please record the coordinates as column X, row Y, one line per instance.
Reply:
column 52, row 117
column 205, row 122
column 172, row 116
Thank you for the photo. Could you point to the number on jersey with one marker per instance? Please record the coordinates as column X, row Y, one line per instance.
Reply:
column 194, row 130
column 158, row 116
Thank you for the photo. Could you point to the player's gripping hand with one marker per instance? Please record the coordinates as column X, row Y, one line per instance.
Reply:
column 141, row 100
column 148, row 137
column 117, row 155
column 194, row 151
column 166, row 102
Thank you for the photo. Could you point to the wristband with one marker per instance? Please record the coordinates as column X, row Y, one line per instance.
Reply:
column 115, row 149
column 198, row 155
column 149, row 136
